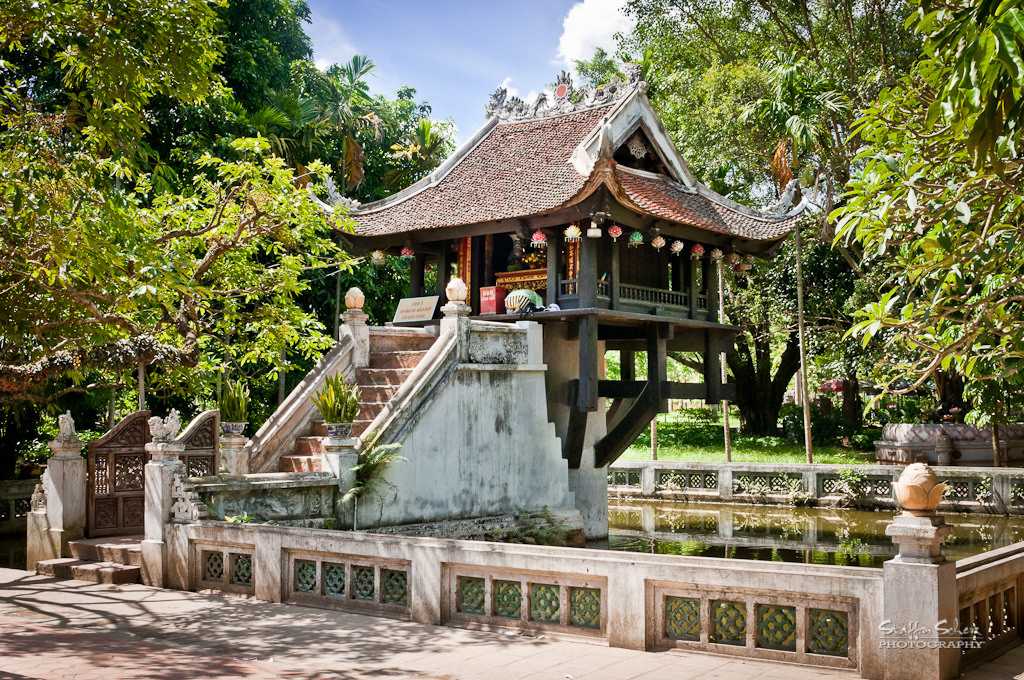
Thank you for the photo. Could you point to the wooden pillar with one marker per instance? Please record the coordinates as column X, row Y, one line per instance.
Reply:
column 657, row 366
column 477, row 275
column 586, row 280
column 627, row 364
column 613, row 284
column 488, row 278
column 711, row 274
column 586, row 395
column 691, row 269
column 712, row 368
column 554, row 266
column 444, row 270
column 678, row 264
column 416, row 271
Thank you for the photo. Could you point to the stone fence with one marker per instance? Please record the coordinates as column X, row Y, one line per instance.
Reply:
column 821, row 615
column 15, row 503
column 996, row 490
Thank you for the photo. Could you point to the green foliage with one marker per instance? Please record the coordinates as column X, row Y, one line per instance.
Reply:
column 600, row 70
column 825, row 427
column 106, row 60
column 234, row 402
column 850, row 488
column 941, row 229
column 337, row 400
column 239, row 519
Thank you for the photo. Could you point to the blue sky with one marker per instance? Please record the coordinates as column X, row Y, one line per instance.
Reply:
column 456, row 52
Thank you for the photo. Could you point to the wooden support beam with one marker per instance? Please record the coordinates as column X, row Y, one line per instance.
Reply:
column 621, row 333
column 714, row 303
column 417, row 269
column 627, row 364
column 657, row 365
column 631, row 389
column 691, row 268
column 586, row 280
column 576, row 428
column 615, row 279
column 625, row 432
column 712, row 368
column 586, row 397
column 477, row 277
column 554, row 266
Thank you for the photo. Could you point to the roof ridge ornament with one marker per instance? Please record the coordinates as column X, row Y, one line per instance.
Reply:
column 565, row 97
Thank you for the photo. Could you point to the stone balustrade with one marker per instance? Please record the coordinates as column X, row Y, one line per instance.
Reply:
column 982, row 489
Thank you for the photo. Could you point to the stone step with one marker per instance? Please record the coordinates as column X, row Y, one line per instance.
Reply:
column 299, row 464
column 369, row 377
column 400, row 343
column 383, row 393
column 308, row 446
column 368, row 410
column 106, row 572
column 359, row 426
column 317, row 428
column 125, row 550
column 395, row 359
column 58, row 568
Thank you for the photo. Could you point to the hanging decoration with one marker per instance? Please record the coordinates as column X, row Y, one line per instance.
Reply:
column 658, row 242
column 636, row 239
column 697, row 251
column 377, row 258
column 716, row 254
column 615, row 231
column 408, row 253
column 596, row 220
column 573, row 233
column 636, row 146
column 539, row 239
column 732, row 258
column 676, row 247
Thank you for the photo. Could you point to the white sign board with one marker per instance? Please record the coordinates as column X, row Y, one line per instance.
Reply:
column 416, row 309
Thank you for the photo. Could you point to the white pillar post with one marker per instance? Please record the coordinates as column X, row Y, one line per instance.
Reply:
column 920, row 592
column 234, row 454
column 63, row 518
column 164, row 465
column 354, row 324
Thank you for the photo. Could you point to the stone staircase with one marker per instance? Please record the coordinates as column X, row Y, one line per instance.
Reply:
column 113, row 560
column 392, row 359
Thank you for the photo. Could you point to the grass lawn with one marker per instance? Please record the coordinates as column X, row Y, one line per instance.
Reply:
column 753, row 452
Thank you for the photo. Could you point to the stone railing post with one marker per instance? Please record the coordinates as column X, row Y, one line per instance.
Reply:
column 165, row 464
column 353, row 322
column 234, row 454
column 339, row 456
column 456, row 316
column 920, row 591
column 59, row 511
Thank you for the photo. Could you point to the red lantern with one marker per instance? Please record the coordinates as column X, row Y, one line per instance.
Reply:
column 408, row 253
column 615, row 231
column 539, row 239
column 697, row 251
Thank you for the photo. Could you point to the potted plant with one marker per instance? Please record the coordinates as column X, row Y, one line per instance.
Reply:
column 234, row 407
column 338, row 403
column 373, row 461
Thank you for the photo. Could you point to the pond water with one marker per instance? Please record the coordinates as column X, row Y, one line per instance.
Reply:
column 781, row 534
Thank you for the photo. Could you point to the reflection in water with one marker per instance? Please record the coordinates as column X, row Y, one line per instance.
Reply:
column 811, row 535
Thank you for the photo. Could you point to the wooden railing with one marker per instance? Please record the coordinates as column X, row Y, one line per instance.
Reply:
column 654, row 296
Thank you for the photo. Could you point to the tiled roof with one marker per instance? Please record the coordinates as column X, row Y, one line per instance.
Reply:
column 518, row 169
column 523, row 167
column 665, row 199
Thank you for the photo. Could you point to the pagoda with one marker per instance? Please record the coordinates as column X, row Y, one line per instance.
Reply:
column 582, row 198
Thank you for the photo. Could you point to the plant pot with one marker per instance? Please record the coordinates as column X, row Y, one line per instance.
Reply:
column 235, row 428
column 339, row 430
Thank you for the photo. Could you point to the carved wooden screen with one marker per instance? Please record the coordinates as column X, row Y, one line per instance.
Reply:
column 201, row 440
column 115, row 491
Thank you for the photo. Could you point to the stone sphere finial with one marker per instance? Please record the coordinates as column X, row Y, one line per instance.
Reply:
column 456, row 290
column 918, row 490
column 354, row 298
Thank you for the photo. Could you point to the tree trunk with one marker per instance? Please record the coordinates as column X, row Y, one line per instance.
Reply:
column 853, row 407
column 759, row 392
column 949, row 387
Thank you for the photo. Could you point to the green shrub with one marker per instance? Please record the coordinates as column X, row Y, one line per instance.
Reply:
column 825, row 428
column 234, row 402
column 337, row 401
column 683, row 435
column 865, row 439
column 703, row 416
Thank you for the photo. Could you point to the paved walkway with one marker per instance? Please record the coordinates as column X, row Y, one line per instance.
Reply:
column 69, row 629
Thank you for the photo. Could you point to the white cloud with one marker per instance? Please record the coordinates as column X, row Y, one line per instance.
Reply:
column 331, row 43
column 590, row 24
column 511, row 89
